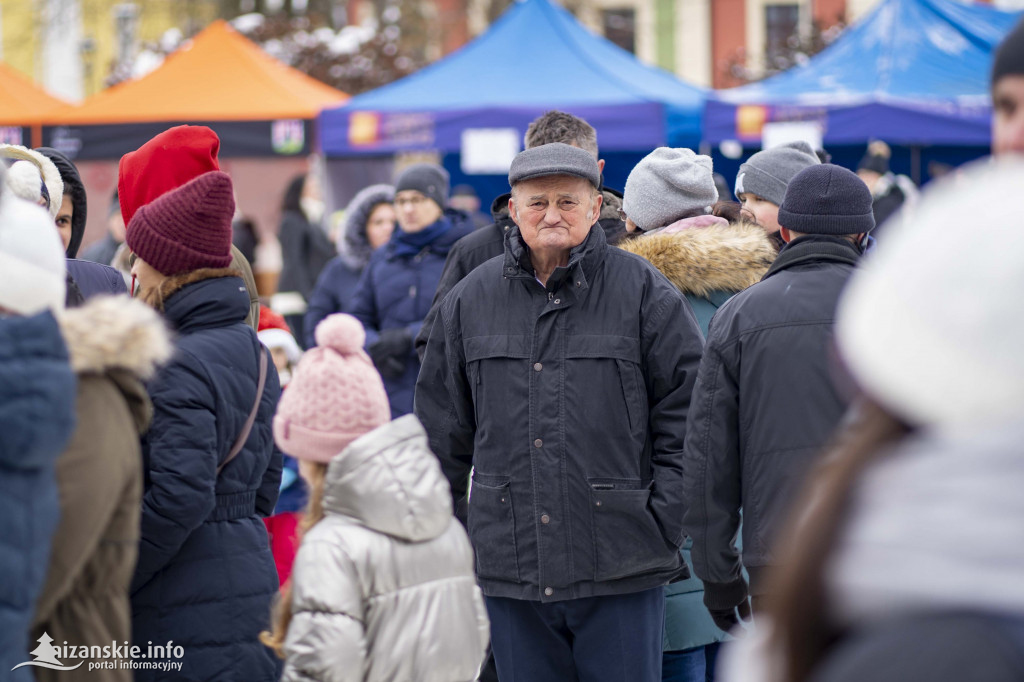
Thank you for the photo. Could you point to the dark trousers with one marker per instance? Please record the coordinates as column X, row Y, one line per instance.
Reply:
column 598, row 639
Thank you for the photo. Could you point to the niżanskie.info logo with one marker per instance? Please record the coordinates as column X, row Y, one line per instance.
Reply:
column 113, row 657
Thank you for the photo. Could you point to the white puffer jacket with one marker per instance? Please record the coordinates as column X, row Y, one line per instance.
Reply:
column 383, row 587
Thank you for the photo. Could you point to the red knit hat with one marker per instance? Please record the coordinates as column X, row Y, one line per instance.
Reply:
column 272, row 320
column 186, row 229
column 166, row 162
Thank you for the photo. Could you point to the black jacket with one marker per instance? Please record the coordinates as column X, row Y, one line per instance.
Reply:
column 763, row 406
column 571, row 403
column 487, row 242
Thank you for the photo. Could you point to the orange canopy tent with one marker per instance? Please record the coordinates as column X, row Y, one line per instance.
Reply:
column 258, row 105
column 23, row 105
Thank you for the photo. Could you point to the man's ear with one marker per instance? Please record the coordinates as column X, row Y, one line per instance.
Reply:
column 596, row 208
column 787, row 236
column 600, row 165
column 512, row 210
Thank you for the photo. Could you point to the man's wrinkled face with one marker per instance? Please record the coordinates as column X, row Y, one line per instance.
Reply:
column 1008, row 115
column 554, row 213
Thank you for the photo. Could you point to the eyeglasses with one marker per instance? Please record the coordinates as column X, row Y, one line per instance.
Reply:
column 415, row 201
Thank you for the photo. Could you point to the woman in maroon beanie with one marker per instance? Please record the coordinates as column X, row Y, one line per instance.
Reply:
column 205, row 576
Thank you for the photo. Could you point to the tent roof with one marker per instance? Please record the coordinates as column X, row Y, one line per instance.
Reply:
column 218, row 76
column 536, row 54
column 903, row 50
column 22, row 102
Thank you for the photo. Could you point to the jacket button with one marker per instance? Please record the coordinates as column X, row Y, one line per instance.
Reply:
column 557, row 301
column 544, row 518
column 548, row 591
column 538, row 443
column 537, row 367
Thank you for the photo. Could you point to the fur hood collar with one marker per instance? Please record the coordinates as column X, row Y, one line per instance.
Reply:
column 115, row 332
column 703, row 260
column 173, row 284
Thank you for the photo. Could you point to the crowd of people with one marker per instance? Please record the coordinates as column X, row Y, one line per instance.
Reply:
column 646, row 436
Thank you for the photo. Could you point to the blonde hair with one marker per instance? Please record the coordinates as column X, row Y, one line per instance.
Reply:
column 282, row 616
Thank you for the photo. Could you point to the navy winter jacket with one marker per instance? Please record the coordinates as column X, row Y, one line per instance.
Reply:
column 396, row 292
column 205, row 576
column 95, row 279
column 37, row 417
column 334, row 288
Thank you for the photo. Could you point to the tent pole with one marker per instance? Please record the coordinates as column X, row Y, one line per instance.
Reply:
column 915, row 164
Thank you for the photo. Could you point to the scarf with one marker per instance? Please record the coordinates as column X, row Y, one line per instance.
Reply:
column 411, row 243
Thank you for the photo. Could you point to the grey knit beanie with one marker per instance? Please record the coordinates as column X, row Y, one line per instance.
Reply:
column 669, row 184
column 767, row 173
column 428, row 179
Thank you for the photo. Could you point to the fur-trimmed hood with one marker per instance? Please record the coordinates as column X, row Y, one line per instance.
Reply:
column 703, row 260
column 171, row 285
column 115, row 332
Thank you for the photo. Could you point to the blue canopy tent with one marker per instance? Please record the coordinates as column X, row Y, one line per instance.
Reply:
column 536, row 57
column 912, row 72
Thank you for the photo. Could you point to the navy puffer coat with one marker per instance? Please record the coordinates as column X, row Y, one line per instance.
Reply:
column 396, row 292
column 37, row 416
column 205, row 576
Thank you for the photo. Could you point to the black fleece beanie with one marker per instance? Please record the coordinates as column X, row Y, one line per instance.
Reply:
column 72, row 186
column 1009, row 59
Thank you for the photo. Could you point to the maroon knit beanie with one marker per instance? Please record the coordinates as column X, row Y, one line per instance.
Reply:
column 187, row 228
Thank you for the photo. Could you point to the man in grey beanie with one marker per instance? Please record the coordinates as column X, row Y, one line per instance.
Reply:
column 560, row 374
column 762, row 181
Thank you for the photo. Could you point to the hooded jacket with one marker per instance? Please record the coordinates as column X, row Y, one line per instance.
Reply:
column 707, row 264
column 205, row 576
column 115, row 343
column 763, row 406
column 37, row 416
column 340, row 276
column 396, row 291
column 383, row 586
column 488, row 242
column 569, row 402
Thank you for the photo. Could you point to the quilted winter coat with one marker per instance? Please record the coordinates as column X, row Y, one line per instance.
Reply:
column 37, row 416
column 205, row 576
column 383, row 586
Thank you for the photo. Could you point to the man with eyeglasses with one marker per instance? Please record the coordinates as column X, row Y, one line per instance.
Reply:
column 397, row 286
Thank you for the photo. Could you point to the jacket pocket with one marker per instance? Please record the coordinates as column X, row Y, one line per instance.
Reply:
column 627, row 539
column 492, row 530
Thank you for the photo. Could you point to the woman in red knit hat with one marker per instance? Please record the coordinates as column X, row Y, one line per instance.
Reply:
column 205, row 577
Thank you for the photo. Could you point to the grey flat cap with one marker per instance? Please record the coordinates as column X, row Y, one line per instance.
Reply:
column 556, row 158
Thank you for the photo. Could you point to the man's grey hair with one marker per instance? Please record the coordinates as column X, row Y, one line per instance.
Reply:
column 558, row 126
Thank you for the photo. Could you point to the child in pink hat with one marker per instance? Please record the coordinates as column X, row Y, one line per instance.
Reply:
column 383, row 585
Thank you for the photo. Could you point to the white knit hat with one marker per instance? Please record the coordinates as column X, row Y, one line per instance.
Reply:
column 31, row 258
column 930, row 325
column 669, row 184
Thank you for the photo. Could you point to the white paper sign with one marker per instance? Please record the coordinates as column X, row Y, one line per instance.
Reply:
column 489, row 151
column 776, row 134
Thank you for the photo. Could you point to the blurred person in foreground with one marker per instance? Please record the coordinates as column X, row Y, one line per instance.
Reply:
column 903, row 557
column 205, row 577
column 489, row 241
column 369, row 224
column 560, row 376
column 37, row 415
column 764, row 402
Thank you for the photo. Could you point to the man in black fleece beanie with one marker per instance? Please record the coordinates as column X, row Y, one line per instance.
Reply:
column 1008, row 94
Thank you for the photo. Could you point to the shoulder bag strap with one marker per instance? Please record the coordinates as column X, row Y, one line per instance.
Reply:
column 244, row 435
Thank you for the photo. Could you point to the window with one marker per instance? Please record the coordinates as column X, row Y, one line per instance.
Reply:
column 620, row 27
column 782, row 22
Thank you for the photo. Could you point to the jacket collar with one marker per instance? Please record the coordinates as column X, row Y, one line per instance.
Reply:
column 206, row 298
column 815, row 248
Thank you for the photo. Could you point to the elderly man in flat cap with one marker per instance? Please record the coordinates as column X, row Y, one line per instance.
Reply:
column 560, row 373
